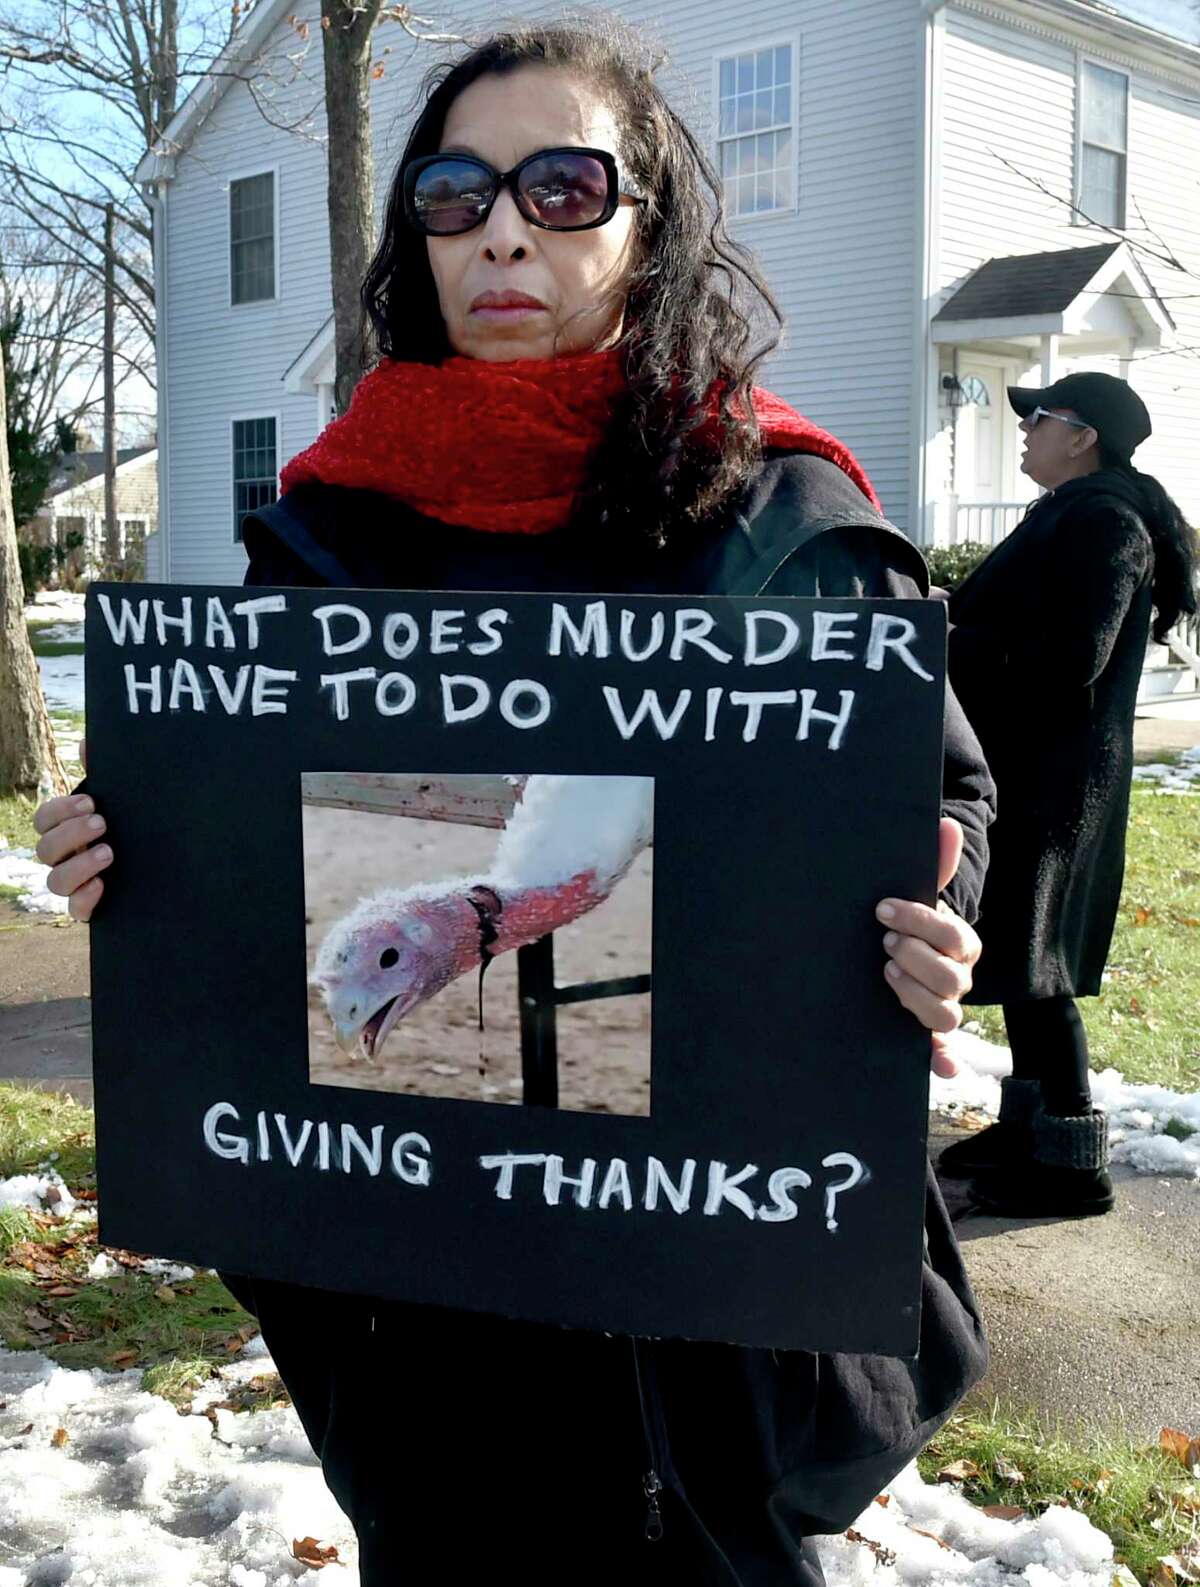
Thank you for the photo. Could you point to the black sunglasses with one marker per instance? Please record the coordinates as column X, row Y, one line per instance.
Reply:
column 567, row 189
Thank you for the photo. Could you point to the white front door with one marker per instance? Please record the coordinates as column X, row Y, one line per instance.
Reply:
column 980, row 433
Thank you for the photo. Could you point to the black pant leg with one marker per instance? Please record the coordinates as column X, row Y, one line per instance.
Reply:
column 1049, row 1044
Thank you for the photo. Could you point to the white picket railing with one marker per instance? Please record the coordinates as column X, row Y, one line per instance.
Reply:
column 985, row 522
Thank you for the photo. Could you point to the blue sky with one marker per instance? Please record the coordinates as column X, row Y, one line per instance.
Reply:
column 1179, row 18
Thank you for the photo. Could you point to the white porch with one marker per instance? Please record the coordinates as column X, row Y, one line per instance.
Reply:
column 1026, row 321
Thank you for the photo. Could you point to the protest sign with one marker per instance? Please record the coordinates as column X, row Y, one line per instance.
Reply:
column 336, row 815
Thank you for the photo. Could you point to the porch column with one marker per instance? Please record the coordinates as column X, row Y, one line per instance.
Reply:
column 1125, row 359
column 1049, row 353
column 324, row 405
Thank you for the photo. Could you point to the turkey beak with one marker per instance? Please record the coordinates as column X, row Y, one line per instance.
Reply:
column 346, row 1033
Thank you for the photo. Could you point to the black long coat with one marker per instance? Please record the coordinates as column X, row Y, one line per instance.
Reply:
column 1046, row 649
column 446, row 1435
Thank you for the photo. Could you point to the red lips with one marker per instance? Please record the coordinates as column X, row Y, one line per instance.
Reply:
column 506, row 300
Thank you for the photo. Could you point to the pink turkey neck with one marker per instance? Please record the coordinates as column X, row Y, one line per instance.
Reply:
column 525, row 914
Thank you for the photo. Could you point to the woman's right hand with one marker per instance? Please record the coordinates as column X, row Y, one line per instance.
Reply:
column 67, row 826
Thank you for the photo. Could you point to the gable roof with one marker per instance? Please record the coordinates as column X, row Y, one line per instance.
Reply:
column 245, row 48
column 79, row 468
column 1028, row 284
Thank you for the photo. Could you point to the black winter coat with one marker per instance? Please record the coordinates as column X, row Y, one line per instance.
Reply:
column 1046, row 650
column 448, row 1436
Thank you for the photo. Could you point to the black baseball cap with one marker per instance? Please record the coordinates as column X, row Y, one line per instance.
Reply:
column 1111, row 406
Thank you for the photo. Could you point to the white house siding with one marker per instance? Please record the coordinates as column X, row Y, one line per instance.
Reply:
column 223, row 361
column 843, row 267
column 1009, row 94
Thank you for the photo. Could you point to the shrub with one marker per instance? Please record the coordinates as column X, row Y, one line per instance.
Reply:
column 40, row 562
column 950, row 565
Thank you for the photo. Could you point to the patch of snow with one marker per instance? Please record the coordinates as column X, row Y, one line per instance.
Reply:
column 169, row 1272
column 140, row 1496
column 1184, row 777
column 58, row 604
column 62, row 681
column 39, row 1193
column 103, row 1266
column 19, row 868
column 1138, row 1115
column 1059, row 1548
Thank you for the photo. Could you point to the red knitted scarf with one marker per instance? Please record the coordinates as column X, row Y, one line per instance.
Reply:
column 502, row 446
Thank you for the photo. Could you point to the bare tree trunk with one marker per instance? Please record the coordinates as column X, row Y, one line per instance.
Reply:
column 112, row 536
column 29, row 762
column 347, row 29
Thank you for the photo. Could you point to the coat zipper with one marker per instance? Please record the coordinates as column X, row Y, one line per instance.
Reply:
column 652, row 1484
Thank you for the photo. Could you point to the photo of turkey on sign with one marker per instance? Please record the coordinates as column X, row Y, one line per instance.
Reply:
column 519, row 952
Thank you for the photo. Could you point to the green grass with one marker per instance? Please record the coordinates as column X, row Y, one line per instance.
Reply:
column 16, row 821
column 178, row 1333
column 1144, row 1500
column 1144, row 1022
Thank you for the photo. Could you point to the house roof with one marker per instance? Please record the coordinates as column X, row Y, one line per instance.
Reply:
column 245, row 48
column 78, row 468
column 1026, row 285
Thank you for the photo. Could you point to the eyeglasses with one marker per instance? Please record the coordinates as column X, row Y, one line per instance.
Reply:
column 557, row 189
column 1032, row 419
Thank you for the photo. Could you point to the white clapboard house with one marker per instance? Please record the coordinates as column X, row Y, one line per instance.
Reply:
column 948, row 196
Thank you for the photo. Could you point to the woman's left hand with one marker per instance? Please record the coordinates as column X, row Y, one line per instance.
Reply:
column 931, row 952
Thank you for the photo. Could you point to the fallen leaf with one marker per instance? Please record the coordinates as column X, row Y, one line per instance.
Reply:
column 63, row 1291
column 59, row 1437
column 1178, row 1446
column 37, row 1322
column 958, row 1471
column 1006, row 1471
column 164, row 1292
column 882, row 1499
column 28, row 1428
column 1141, row 915
column 122, row 1358
column 1161, row 1575
column 885, row 1556
column 313, row 1554
column 1004, row 1512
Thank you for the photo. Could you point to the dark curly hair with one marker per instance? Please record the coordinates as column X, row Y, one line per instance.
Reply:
column 698, row 316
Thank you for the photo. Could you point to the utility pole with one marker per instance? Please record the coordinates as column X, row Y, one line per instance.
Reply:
column 112, row 537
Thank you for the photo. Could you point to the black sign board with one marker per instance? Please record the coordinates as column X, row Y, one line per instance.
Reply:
column 332, row 811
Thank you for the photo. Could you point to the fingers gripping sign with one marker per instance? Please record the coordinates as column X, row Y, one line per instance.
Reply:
column 931, row 953
column 68, row 828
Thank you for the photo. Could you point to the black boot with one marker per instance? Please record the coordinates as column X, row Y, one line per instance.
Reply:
column 1066, row 1178
column 1003, row 1144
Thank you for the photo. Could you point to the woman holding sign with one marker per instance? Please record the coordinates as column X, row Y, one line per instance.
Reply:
column 564, row 402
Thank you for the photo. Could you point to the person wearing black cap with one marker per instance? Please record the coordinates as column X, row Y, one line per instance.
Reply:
column 1047, row 643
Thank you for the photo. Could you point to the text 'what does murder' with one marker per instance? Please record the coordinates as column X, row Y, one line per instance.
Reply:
column 774, row 1195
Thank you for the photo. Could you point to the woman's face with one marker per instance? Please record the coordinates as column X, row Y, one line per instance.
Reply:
column 573, row 284
column 1057, row 450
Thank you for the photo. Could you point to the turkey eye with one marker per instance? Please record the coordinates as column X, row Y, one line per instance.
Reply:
column 388, row 957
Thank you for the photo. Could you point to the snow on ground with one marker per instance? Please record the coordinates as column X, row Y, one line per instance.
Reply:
column 55, row 606
column 1181, row 778
column 1138, row 1115
column 139, row 1495
column 19, row 868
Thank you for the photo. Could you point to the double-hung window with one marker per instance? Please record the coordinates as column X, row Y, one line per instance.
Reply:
column 252, row 238
column 255, row 468
column 756, row 129
column 1103, row 145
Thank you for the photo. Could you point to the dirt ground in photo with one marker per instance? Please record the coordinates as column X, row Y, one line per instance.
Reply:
column 437, row 1049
